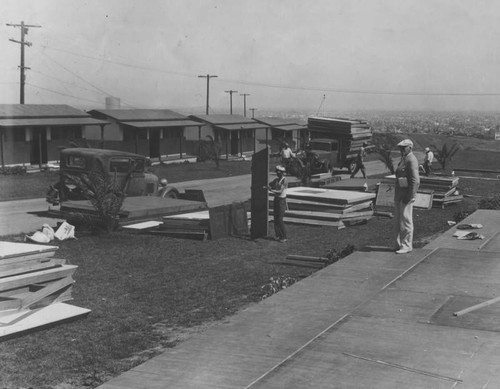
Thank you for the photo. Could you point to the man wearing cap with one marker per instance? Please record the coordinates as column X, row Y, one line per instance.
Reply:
column 278, row 188
column 407, row 182
column 360, row 161
column 429, row 157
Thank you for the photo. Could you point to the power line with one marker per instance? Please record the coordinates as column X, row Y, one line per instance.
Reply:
column 83, row 79
column 291, row 87
column 60, row 93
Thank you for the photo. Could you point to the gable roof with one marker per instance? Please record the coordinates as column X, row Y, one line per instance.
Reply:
column 26, row 111
column 281, row 124
column 229, row 122
column 130, row 115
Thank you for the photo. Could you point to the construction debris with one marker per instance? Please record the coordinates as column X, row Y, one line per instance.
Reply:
column 33, row 288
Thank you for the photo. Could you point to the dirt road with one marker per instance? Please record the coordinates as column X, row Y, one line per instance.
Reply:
column 22, row 216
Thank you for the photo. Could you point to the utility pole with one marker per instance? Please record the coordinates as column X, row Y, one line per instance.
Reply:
column 22, row 42
column 208, row 77
column 253, row 111
column 231, row 99
column 244, row 103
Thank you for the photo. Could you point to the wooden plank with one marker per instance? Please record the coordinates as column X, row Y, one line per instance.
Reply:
column 46, row 291
column 220, row 221
column 23, row 321
column 260, row 196
column 25, row 265
column 197, row 235
column 22, row 280
column 10, row 250
column 332, row 196
column 312, row 222
column 385, row 197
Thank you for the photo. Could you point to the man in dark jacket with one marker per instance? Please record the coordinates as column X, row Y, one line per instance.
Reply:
column 360, row 161
column 407, row 182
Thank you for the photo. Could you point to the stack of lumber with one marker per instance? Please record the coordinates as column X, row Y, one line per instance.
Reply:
column 327, row 207
column 355, row 132
column 444, row 187
column 33, row 288
column 304, row 261
column 214, row 223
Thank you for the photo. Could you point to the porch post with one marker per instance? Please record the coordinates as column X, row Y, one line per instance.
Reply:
column 102, row 136
column 2, row 147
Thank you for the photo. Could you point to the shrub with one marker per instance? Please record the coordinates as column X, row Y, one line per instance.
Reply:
column 490, row 203
column 13, row 170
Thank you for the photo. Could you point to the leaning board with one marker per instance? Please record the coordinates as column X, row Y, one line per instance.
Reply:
column 385, row 197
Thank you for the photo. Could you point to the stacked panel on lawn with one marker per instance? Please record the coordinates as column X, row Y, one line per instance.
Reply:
column 327, row 207
column 444, row 187
column 33, row 288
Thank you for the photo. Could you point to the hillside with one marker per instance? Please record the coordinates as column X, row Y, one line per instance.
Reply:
column 474, row 153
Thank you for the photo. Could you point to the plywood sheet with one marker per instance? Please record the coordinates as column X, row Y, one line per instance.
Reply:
column 329, row 195
column 14, row 249
column 385, row 197
column 260, row 196
column 26, row 320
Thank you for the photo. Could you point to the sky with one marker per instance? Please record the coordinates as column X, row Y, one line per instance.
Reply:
column 284, row 55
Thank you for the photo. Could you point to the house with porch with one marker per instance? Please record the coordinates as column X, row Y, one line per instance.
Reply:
column 160, row 134
column 237, row 134
column 33, row 134
column 285, row 130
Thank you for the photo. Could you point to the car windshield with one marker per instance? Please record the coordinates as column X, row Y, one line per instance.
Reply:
column 123, row 165
column 76, row 161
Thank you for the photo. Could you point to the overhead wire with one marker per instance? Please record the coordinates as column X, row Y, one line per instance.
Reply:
column 284, row 86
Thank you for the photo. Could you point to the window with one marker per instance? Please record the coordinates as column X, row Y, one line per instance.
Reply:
column 76, row 161
column 172, row 132
column 69, row 132
column 119, row 165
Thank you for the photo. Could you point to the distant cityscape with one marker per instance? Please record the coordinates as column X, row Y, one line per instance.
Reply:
column 477, row 124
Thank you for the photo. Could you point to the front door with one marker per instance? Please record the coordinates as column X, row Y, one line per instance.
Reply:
column 38, row 154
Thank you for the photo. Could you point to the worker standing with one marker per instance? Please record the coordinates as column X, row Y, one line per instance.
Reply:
column 407, row 182
column 286, row 155
column 360, row 161
column 429, row 157
column 278, row 188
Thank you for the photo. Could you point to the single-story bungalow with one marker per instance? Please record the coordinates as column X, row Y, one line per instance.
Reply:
column 33, row 134
column 285, row 130
column 237, row 134
column 156, row 133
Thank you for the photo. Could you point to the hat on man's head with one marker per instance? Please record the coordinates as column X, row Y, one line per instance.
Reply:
column 405, row 143
column 427, row 149
column 280, row 168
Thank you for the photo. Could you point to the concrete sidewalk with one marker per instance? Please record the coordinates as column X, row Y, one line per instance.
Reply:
column 371, row 320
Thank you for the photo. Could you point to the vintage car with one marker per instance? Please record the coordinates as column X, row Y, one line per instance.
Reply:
column 127, row 169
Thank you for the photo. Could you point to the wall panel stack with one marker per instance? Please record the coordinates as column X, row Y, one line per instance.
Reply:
column 355, row 132
column 444, row 187
column 33, row 288
column 327, row 207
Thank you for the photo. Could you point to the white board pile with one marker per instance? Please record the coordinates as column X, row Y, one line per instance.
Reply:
column 327, row 207
column 444, row 187
column 33, row 288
